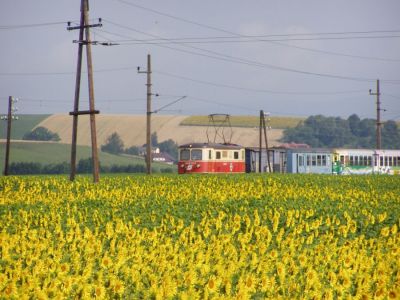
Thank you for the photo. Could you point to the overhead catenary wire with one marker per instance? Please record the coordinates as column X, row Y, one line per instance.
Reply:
column 218, row 56
column 214, row 28
column 233, row 40
column 255, row 90
column 32, row 25
column 228, row 58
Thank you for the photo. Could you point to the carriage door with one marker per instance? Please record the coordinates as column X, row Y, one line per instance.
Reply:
column 300, row 165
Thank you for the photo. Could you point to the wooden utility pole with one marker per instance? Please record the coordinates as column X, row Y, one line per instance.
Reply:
column 76, row 99
column 148, row 115
column 9, row 119
column 260, row 142
column 378, row 116
column 84, row 26
column 263, row 127
column 92, row 115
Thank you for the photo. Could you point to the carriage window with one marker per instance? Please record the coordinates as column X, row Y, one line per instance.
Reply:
column 301, row 161
column 209, row 154
column 324, row 160
column 236, row 154
column 390, row 161
column 224, row 154
column 308, row 160
column 386, row 161
column 314, row 160
column 369, row 161
column 351, row 160
column 398, row 161
column 319, row 160
column 197, row 154
column 218, row 154
column 342, row 159
column 381, row 161
column 185, row 154
column 356, row 161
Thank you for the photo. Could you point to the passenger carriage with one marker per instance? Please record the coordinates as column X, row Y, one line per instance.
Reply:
column 366, row 161
column 211, row 158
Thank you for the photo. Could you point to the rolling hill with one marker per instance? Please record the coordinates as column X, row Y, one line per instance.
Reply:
column 132, row 130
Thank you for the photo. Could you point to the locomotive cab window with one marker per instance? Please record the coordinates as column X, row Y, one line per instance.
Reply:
column 197, row 154
column 185, row 154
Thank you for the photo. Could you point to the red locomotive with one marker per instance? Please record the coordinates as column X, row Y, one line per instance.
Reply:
column 211, row 158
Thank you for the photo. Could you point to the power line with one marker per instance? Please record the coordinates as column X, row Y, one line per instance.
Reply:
column 236, row 40
column 20, row 26
column 254, row 90
column 223, row 57
column 337, row 53
column 275, row 35
column 219, row 56
column 393, row 96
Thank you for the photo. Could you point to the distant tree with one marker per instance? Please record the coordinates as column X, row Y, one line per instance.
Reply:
column 390, row 135
column 320, row 131
column 133, row 150
column 170, row 147
column 154, row 139
column 114, row 144
column 41, row 134
column 354, row 124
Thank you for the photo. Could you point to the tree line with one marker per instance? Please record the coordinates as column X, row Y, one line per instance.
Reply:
column 84, row 166
column 353, row 132
column 115, row 145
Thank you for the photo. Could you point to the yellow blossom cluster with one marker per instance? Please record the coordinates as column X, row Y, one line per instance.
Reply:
column 200, row 237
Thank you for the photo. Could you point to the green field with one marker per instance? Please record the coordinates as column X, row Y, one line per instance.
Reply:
column 24, row 124
column 247, row 121
column 54, row 153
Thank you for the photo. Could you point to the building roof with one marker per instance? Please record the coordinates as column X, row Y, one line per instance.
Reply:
column 212, row 145
column 165, row 156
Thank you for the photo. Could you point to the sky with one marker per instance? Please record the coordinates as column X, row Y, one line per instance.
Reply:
column 288, row 58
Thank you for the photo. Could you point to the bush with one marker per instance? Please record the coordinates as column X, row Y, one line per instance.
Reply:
column 41, row 134
column 84, row 167
column 113, row 145
column 134, row 150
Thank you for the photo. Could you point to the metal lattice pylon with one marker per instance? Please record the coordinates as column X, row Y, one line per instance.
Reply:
column 222, row 128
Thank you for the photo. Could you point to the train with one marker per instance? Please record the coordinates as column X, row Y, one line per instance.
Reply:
column 232, row 158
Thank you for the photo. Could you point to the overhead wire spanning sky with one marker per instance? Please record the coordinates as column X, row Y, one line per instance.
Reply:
column 285, row 57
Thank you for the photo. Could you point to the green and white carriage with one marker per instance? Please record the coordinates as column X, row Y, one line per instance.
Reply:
column 366, row 161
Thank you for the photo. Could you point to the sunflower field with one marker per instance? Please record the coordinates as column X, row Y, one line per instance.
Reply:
column 200, row 237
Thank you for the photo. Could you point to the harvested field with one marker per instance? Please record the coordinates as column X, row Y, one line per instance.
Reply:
column 132, row 130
